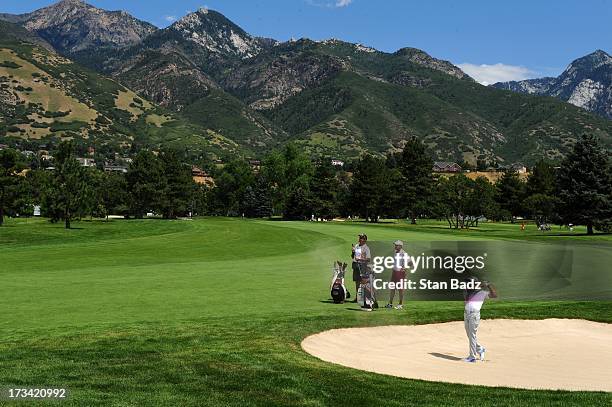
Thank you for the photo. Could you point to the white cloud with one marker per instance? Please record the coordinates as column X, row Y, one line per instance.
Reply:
column 170, row 19
column 489, row 74
column 329, row 4
column 343, row 3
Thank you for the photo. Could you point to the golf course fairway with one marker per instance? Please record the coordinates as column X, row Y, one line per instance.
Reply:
column 212, row 311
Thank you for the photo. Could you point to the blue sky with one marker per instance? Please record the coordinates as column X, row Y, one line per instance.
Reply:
column 491, row 40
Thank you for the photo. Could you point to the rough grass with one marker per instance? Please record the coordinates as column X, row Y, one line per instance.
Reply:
column 125, row 101
column 212, row 312
column 158, row 120
column 52, row 99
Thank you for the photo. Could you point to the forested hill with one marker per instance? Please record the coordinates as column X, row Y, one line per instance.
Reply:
column 331, row 97
column 45, row 97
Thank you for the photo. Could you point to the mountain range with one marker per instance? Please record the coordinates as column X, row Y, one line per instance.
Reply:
column 586, row 83
column 215, row 83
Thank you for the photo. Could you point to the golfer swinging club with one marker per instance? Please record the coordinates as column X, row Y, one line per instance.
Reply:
column 471, row 316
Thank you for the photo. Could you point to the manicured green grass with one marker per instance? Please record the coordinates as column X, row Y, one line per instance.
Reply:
column 212, row 312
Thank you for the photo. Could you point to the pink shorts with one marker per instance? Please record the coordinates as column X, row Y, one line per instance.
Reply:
column 398, row 275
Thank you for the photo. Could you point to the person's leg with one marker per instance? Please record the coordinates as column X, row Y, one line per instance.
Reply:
column 468, row 331
column 356, row 279
column 473, row 319
column 479, row 348
column 391, row 290
column 400, row 278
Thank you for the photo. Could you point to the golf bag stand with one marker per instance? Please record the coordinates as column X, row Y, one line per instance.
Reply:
column 366, row 296
column 339, row 293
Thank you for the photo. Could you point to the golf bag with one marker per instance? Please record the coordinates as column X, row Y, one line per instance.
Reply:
column 339, row 293
column 366, row 294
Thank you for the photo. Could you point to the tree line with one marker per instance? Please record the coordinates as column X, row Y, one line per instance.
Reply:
column 291, row 185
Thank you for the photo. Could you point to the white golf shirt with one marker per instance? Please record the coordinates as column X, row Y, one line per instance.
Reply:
column 401, row 260
column 475, row 301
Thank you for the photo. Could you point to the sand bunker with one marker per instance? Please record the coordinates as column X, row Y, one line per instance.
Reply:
column 566, row 354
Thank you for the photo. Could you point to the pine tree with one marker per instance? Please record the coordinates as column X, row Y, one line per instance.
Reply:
column 145, row 182
column 177, row 193
column 510, row 194
column 370, row 187
column 540, row 201
column 324, row 187
column 68, row 190
column 10, row 166
column 230, row 187
column 584, row 184
column 416, row 165
column 298, row 204
column 256, row 201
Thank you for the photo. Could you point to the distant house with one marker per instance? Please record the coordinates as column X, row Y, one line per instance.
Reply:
column 255, row 165
column 86, row 162
column 115, row 168
column 201, row 177
column 3, row 147
column 28, row 153
column 446, row 166
column 44, row 155
column 337, row 163
column 519, row 168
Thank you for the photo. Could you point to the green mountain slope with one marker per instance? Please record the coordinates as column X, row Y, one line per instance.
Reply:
column 332, row 97
column 180, row 68
column 377, row 100
column 44, row 96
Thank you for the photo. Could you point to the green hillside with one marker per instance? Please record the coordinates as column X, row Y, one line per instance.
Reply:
column 331, row 97
column 379, row 99
column 45, row 97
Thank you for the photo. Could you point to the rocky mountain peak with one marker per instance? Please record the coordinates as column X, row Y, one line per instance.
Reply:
column 420, row 57
column 600, row 55
column 213, row 31
column 586, row 83
column 592, row 61
column 73, row 26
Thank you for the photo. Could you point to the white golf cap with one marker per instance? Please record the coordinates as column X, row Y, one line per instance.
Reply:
column 398, row 243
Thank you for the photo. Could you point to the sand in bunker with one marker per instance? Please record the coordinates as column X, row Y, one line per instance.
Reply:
column 566, row 354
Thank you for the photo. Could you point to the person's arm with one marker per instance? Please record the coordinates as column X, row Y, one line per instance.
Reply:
column 492, row 290
column 365, row 254
column 410, row 262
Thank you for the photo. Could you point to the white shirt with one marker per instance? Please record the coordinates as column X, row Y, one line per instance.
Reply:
column 401, row 260
column 475, row 301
